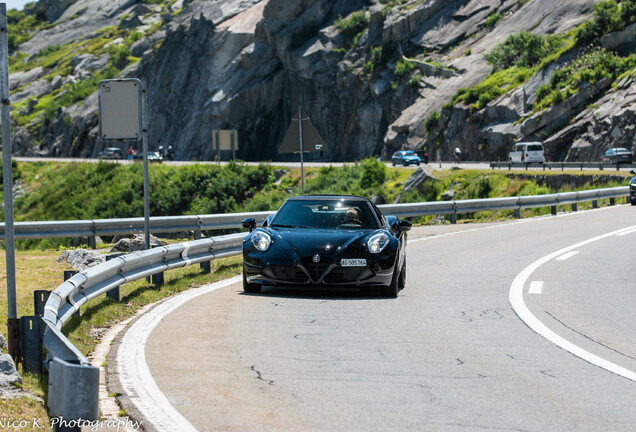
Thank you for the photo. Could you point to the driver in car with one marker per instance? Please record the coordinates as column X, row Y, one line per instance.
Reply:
column 352, row 216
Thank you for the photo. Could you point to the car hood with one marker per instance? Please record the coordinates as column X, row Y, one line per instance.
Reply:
column 323, row 242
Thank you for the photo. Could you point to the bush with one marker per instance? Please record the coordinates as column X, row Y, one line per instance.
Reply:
column 354, row 24
column 373, row 173
column 608, row 17
column 589, row 68
column 524, row 49
column 492, row 19
column 431, row 121
column 403, row 67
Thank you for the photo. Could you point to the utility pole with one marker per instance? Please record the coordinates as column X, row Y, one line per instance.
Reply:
column 7, row 177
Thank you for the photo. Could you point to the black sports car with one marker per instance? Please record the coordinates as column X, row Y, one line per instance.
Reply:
column 326, row 240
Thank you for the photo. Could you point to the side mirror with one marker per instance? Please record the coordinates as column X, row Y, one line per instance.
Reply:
column 249, row 223
column 402, row 225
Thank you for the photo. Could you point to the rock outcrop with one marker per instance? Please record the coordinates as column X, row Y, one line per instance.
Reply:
column 248, row 65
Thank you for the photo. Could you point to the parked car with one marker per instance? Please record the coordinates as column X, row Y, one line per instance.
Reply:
column 405, row 157
column 111, row 153
column 423, row 155
column 326, row 240
column 632, row 188
column 153, row 156
column 527, row 152
column 616, row 155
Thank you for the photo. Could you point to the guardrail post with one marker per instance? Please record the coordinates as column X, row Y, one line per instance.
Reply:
column 73, row 394
column 205, row 265
column 31, row 343
column 92, row 242
column 453, row 218
column 574, row 207
column 518, row 213
column 612, row 201
column 40, row 297
column 157, row 279
column 595, row 204
column 114, row 292
column 553, row 210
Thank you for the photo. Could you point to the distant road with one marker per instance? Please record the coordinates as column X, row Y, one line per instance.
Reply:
column 434, row 165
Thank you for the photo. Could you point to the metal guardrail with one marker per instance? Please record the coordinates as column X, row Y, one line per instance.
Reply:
column 198, row 223
column 74, row 383
column 562, row 165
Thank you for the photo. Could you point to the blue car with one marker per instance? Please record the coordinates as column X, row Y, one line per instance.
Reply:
column 405, row 157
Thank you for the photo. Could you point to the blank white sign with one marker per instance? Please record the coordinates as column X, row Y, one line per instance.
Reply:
column 120, row 109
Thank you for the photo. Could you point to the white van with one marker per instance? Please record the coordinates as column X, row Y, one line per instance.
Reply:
column 528, row 152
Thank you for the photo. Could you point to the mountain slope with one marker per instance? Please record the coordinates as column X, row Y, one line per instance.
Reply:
column 373, row 76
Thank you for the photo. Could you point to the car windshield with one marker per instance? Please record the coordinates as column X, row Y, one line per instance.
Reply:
column 409, row 153
column 325, row 214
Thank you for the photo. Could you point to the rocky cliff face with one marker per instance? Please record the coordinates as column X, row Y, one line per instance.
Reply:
column 249, row 64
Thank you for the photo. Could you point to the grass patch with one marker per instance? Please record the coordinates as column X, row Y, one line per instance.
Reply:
column 40, row 270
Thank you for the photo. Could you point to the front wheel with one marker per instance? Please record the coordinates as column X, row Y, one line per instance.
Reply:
column 393, row 288
column 250, row 288
column 402, row 277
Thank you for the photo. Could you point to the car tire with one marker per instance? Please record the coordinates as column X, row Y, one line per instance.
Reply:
column 402, row 277
column 393, row 288
column 404, row 163
column 250, row 288
column 418, row 164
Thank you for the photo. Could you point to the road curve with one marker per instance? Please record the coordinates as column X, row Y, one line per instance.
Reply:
column 450, row 353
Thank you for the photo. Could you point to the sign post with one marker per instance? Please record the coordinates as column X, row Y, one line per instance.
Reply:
column 7, row 178
column 122, row 117
column 296, row 137
column 224, row 139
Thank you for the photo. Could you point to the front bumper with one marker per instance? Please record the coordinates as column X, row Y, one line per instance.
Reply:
column 277, row 270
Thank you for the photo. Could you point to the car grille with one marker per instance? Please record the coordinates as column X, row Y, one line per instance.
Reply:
column 343, row 274
column 315, row 269
column 289, row 274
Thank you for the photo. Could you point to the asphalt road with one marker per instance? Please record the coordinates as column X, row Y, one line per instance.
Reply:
column 435, row 165
column 521, row 326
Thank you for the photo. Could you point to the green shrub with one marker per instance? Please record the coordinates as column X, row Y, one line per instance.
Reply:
column 608, row 17
column 492, row 19
column 376, row 54
column 373, row 173
column 492, row 87
column 432, row 121
column 523, row 49
column 589, row 68
column 403, row 67
column 354, row 24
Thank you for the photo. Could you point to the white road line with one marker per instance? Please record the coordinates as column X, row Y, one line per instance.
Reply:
column 536, row 287
column 134, row 375
column 627, row 232
column 567, row 255
column 521, row 309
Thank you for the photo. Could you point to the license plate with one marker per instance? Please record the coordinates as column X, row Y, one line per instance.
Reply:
column 353, row 262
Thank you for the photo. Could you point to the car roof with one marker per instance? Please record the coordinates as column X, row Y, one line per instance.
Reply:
column 327, row 198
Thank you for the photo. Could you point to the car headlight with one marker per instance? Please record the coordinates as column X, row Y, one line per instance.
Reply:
column 378, row 242
column 261, row 240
